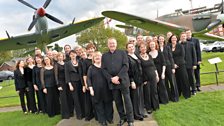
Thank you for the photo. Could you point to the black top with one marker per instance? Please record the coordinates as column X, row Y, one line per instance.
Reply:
column 85, row 65
column 135, row 70
column 36, row 76
column 28, row 74
column 96, row 80
column 149, row 68
column 73, row 73
column 168, row 56
column 190, row 54
column 59, row 71
column 67, row 58
column 116, row 64
column 197, row 48
column 178, row 55
column 47, row 77
column 159, row 62
column 19, row 80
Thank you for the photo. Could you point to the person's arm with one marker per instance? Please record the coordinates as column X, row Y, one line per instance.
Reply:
column 104, row 69
column 16, row 80
column 67, row 76
column 125, row 65
column 198, row 50
column 194, row 57
column 89, row 81
column 34, row 79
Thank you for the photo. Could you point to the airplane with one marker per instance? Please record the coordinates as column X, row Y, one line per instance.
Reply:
column 43, row 36
column 200, row 24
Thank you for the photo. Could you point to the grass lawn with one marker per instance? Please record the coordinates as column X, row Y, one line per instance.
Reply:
column 8, row 89
column 207, row 79
column 204, row 109
column 17, row 118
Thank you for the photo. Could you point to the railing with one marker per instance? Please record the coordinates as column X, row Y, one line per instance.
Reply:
column 216, row 75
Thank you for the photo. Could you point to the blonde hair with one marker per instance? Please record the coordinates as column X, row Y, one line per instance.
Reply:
column 97, row 53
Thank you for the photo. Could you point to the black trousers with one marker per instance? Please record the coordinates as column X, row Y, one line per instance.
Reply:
column 32, row 101
column 137, row 99
column 197, row 76
column 104, row 111
column 190, row 73
column 151, row 98
column 162, row 92
column 171, row 85
column 41, row 99
column 89, row 109
column 117, row 95
column 65, row 113
column 76, row 99
column 22, row 94
column 182, row 81
column 53, row 105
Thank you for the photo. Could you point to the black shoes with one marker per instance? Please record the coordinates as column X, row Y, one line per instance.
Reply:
column 198, row 89
column 121, row 122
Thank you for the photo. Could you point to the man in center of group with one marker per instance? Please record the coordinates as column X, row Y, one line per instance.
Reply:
column 115, row 69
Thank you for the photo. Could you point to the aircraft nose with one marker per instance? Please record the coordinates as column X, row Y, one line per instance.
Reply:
column 41, row 12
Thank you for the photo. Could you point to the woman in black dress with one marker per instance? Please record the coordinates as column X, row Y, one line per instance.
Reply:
column 170, row 79
column 50, row 88
column 21, row 87
column 136, row 89
column 28, row 71
column 73, row 77
column 150, row 79
column 41, row 99
column 99, row 90
column 89, row 109
column 59, row 68
column 160, row 64
column 181, row 71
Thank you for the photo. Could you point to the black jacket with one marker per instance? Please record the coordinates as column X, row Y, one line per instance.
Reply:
column 178, row 55
column 116, row 64
column 190, row 54
column 72, row 73
column 197, row 48
column 135, row 70
column 19, row 80
column 168, row 56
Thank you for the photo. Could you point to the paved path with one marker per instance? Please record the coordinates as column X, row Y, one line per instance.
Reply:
column 147, row 122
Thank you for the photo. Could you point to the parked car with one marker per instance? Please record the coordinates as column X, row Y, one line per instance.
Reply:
column 6, row 75
column 214, row 47
column 202, row 46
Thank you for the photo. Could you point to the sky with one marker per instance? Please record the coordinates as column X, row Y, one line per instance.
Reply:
column 16, row 17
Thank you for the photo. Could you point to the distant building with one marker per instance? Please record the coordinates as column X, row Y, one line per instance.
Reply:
column 10, row 65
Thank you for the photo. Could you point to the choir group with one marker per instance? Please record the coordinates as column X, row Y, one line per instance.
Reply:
column 85, row 82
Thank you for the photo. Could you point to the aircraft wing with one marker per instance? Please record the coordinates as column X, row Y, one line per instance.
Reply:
column 46, row 37
column 156, row 26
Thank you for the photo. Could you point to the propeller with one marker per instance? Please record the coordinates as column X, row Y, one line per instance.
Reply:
column 40, row 13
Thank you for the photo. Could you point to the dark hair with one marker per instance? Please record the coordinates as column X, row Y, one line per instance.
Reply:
column 171, row 38
column 17, row 64
column 72, row 51
column 162, row 35
column 68, row 46
column 38, row 56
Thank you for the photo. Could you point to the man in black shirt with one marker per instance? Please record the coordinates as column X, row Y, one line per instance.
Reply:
column 115, row 69
column 198, row 54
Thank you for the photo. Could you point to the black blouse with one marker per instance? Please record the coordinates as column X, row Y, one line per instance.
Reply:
column 59, row 71
column 47, row 77
column 159, row 62
column 96, row 79
column 85, row 66
column 149, row 68
column 36, row 76
column 28, row 74
column 179, row 54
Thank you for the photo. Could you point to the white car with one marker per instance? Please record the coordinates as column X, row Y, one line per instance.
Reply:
column 214, row 47
column 202, row 46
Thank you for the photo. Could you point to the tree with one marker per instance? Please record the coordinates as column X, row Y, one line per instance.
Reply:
column 98, row 34
column 5, row 56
